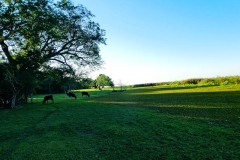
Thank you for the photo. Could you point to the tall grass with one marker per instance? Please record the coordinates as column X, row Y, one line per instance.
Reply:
column 141, row 123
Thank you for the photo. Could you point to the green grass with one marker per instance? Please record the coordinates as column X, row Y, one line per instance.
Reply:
column 140, row 123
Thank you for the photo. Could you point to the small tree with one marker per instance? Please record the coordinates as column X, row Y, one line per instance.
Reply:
column 103, row 80
column 121, row 85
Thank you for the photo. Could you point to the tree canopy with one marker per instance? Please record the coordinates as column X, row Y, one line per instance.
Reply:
column 103, row 80
column 38, row 33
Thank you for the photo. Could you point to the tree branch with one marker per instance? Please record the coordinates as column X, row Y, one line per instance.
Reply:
column 64, row 63
column 6, row 51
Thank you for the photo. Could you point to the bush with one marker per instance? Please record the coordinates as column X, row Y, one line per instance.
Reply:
column 191, row 81
column 144, row 84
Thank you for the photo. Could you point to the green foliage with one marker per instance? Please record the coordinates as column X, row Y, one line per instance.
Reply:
column 103, row 80
column 144, row 85
column 6, row 88
column 57, row 80
column 191, row 81
column 228, row 80
column 86, row 83
column 43, row 31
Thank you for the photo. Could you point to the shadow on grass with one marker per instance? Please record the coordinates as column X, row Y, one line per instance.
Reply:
column 221, row 107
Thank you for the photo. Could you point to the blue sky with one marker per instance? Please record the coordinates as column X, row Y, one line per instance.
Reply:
column 166, row 40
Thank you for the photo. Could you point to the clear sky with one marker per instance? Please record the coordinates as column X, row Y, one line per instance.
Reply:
column 166, row 40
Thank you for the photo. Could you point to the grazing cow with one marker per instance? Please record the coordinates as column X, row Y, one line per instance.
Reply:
column 46, row 98
column 71, row 94
column 85, row 93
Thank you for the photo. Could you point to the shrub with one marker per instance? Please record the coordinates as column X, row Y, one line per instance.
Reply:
column 191, row 81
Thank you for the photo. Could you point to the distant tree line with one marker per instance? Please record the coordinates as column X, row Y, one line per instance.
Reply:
column 217, row 81
column 56, row 82
column 227, row 80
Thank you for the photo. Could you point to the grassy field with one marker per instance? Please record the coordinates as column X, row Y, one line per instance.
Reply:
column 140, row 123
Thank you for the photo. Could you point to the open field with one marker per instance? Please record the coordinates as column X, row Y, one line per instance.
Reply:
column 140, row 123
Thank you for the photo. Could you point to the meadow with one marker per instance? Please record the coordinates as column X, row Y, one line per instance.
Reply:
column 158, row 122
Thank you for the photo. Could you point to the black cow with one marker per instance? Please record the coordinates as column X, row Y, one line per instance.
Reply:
column 71, row 94
column 46, row 98
column 85, row 93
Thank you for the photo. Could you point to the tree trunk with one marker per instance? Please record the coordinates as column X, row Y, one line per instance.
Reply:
column 13, row 101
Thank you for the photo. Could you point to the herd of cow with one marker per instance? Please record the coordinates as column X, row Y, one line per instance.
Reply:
column 69, row 94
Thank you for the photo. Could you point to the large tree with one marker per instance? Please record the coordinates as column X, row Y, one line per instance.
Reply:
column 36, row 33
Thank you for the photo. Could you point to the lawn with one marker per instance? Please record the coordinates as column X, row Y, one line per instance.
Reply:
column 140, row 123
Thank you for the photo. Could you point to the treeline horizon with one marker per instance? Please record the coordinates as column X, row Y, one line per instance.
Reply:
column 216, row 81
column 87, row 83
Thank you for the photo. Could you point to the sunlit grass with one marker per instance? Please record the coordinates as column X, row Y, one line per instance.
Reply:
column 140, row 123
